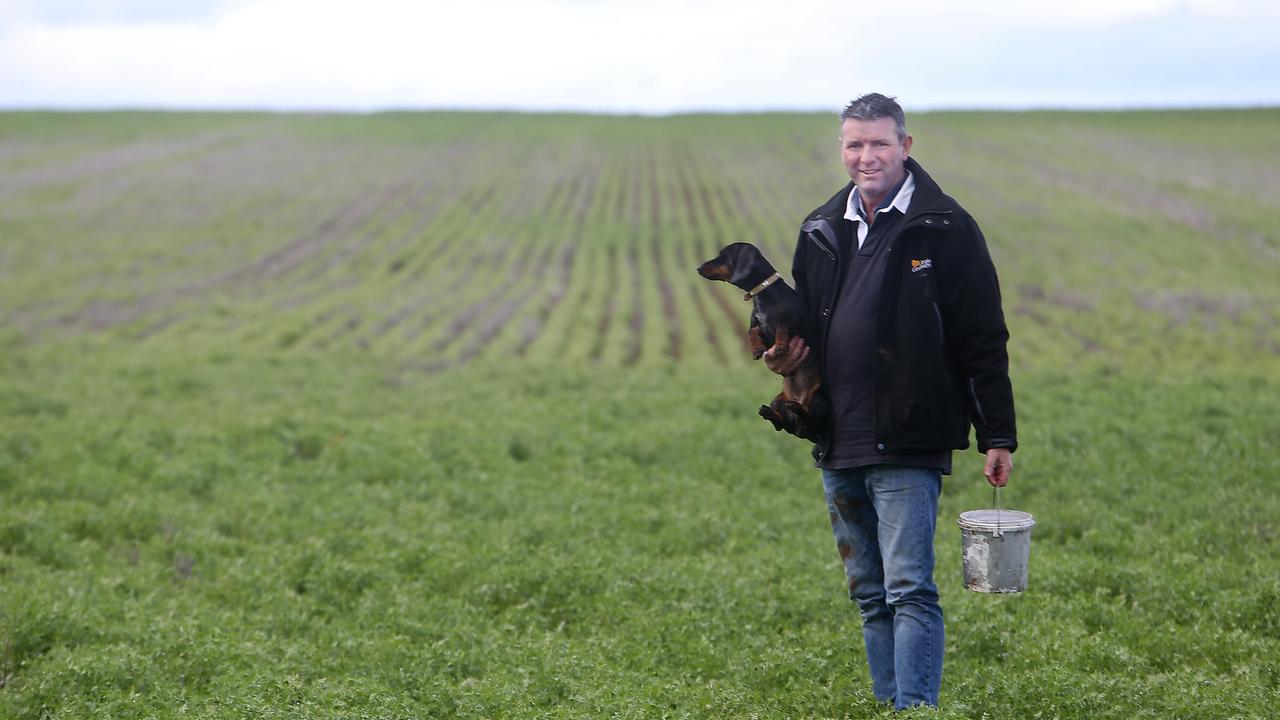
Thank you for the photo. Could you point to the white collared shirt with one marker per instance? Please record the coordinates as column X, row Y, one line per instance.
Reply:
column 901, row 202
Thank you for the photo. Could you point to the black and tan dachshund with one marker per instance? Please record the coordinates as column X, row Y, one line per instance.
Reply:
column 777, row 315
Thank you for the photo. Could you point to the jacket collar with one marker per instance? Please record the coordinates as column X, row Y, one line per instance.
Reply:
column 928, row 197
column 900, row 200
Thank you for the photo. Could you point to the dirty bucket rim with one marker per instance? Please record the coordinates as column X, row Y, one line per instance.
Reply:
column 988, row 520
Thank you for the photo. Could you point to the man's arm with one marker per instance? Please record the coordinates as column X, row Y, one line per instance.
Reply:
column 978, row 336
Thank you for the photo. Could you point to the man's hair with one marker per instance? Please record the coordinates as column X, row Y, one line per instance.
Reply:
column 874, row 106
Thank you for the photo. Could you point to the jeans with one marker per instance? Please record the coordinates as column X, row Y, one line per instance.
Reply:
column 883, row 517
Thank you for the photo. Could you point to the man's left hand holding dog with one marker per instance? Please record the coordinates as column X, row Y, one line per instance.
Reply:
column 797, row 351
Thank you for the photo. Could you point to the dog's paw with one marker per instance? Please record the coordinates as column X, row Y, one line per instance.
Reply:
column 767, row 413
column 798, row 410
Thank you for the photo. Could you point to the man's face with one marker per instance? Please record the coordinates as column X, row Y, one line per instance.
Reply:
column 873, row 156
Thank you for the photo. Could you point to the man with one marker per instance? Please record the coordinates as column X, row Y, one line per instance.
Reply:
column 904, row 318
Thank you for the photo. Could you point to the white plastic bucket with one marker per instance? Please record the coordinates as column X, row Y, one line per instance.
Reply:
column 997, row 549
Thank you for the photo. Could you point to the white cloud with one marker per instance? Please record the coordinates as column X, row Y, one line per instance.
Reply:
column 655, row 56
column 78, row 12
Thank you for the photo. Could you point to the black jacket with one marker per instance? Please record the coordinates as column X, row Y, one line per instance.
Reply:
column 940, row 357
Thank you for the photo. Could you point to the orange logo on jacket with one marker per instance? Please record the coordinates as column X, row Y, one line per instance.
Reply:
column 918, row 265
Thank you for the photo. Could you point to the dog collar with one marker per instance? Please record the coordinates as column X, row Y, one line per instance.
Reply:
column 760, row 288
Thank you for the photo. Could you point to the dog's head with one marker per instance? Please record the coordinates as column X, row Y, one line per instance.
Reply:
column 736, row 264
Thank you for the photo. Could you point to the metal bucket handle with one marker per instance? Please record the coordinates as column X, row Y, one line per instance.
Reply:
column 995, row 500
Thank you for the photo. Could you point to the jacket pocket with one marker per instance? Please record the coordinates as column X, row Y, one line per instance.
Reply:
column 822, row 235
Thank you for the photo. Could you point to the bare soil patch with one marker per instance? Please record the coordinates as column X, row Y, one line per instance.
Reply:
column 103, row 163
column 609, row 308
column 1182, row 307
column 635, row 343
column 671, row 315
column 101, row 315
column 534, row 324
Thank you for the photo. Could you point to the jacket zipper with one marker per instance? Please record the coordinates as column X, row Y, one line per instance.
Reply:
column 937, row 313
column 823, row 247
column 813, row 227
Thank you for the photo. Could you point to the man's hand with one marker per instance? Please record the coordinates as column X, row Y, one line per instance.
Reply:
column 797, row 351
column 999, row 465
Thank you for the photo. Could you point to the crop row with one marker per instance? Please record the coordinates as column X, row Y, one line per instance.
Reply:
column 441, row 239
column 438, row 255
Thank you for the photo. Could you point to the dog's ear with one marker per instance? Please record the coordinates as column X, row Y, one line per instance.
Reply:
column 746, row 261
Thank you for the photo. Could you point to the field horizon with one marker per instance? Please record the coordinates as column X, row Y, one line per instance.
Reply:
column 428, row 415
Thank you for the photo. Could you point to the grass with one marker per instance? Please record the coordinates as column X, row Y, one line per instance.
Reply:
column 257, row 537
column 245, row 512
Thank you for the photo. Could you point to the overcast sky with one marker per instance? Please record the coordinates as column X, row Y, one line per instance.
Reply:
column 653, row 56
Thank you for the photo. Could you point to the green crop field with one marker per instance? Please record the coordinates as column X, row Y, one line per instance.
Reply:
column 428, row 416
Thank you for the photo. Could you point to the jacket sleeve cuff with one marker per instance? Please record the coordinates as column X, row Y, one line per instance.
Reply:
column 990, row 443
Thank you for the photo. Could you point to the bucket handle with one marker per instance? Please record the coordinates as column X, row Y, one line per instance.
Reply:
column 995, row 500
